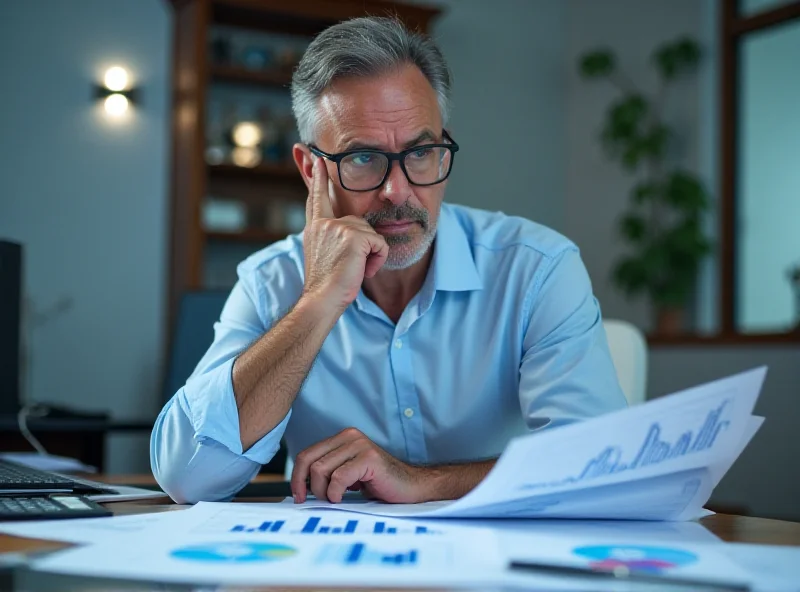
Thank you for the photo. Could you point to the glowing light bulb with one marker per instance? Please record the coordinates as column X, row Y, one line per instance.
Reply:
column 245, row 157
column 116, row 105
column 116, row 78
column 247, row 134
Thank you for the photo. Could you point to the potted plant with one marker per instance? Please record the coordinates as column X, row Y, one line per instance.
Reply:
column 663, row 225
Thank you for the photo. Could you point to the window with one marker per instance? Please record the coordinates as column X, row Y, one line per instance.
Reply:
column 760, row 197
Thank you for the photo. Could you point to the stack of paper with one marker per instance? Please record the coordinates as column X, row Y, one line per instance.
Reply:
column 271, row 544
column 657, row 461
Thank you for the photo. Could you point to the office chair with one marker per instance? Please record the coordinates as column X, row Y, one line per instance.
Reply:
column 192, row 335
column 629, row 354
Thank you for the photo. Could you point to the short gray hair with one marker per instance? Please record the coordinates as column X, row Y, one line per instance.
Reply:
column 362, row 47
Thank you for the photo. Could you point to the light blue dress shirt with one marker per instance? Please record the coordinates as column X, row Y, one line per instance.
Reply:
column 504, row 337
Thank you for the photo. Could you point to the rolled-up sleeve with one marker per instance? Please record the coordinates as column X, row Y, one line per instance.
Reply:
column 566, row 372
column 195, row 447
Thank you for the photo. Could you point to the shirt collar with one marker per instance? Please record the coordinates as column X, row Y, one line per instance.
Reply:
column 454, row 267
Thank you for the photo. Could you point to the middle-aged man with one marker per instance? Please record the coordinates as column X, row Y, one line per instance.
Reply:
column 398, row 343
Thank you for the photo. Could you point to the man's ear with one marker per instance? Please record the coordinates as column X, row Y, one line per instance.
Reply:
column 304, row 160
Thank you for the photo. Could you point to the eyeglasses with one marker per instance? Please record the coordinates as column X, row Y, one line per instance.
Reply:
column 367, row 169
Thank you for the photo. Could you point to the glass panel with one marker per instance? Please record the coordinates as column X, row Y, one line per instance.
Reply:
column 751, row 7
column 768, row 216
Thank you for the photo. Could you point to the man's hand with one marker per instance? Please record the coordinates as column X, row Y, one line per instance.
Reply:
column 339, row 252
column 350, row 460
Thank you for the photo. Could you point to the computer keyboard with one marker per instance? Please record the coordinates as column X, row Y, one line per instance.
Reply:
column 16, row 478
column 49, row 507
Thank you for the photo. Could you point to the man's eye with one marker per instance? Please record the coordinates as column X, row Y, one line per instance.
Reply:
column 363, row 159
column 422, row 153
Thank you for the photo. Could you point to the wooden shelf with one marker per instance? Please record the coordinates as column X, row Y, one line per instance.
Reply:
column 264, row 170
column 274, row 77
column 249, row 235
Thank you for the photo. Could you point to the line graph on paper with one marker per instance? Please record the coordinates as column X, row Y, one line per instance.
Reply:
column 654, row 449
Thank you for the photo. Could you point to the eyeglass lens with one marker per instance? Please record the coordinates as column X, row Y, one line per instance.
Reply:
column 365, row 170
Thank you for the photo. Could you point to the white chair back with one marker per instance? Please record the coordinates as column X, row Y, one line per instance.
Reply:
column 629, row 354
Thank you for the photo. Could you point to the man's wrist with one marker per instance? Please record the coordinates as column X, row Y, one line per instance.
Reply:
column 448, row 482
column 318, row 309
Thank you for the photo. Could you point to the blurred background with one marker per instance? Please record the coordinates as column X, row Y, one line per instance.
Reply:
column 145, row 152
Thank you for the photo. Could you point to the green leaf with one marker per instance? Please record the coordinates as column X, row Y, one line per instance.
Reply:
column 597, row 64
column 621, row 134
column 677, row 57
column 644, row 192
column 633, row 227
column 685, row 192
column 631, row 275
column 655, row 142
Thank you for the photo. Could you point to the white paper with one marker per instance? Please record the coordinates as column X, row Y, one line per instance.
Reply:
column 236, row 544
column 774, row 568
column 623, row 465
column 87, row 530
column 221, row 543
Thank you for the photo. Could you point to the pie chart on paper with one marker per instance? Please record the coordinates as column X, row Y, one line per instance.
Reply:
column 230, row 552
column 635, row 557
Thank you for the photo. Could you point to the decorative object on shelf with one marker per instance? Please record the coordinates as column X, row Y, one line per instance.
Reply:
column 290, row 136
column 288, row 58
column 247, row 136
column 274, row 218
column 664, row 223
column 256, row 57
column 271, row 146
column 221, row 51
column 217, row 147
column 295, row 217
column 116, row 91
column 794, row 279
column 224, row 215
column 246, row 157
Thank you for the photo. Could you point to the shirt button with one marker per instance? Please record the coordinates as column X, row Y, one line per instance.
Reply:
column 398, row 343
column 409, row 413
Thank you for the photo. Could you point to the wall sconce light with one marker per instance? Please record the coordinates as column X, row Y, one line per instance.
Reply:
column 116, row 91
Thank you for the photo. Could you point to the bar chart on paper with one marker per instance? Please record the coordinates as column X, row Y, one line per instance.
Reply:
column 252, row 522
column 363, row 554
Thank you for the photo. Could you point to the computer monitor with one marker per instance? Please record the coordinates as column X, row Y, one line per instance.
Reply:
column 10, row 321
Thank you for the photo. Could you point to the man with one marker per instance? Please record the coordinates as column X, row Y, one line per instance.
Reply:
column 398, row 343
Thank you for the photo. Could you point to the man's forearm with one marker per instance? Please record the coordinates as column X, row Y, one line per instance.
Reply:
column 268, row 376
column 446, row 482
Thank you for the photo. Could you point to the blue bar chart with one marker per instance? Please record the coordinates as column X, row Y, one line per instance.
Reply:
column 312, row 526
column 362, row 554
column 381, row 528
column 268, row 526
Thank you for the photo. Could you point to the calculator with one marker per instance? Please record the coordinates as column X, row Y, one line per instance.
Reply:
column 50, row 507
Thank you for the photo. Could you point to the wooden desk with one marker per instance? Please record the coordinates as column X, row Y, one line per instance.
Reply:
column 739, row 529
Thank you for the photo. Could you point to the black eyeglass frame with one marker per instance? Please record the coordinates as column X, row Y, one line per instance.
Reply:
column 392, row 156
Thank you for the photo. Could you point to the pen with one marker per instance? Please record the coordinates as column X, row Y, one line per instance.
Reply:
column 624, row 574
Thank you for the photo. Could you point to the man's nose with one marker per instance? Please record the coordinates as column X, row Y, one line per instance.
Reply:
column 396, row 189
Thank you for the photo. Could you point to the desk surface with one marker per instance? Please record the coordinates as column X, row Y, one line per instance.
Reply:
column 739, row 529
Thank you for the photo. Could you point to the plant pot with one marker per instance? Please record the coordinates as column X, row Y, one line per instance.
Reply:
column 669, row 320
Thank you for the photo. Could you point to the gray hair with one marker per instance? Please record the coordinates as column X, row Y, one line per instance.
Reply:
column 362, row 47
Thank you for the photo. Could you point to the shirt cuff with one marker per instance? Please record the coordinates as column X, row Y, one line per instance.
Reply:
column 209, row 403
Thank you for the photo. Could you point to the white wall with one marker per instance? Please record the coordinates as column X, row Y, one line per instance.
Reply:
column 507, row 59
column 88, row 199
column 596, row 188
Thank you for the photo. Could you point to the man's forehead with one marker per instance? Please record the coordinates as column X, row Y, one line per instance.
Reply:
column 396, row 108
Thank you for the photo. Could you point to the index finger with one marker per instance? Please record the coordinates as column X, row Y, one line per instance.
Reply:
column 320, row 196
